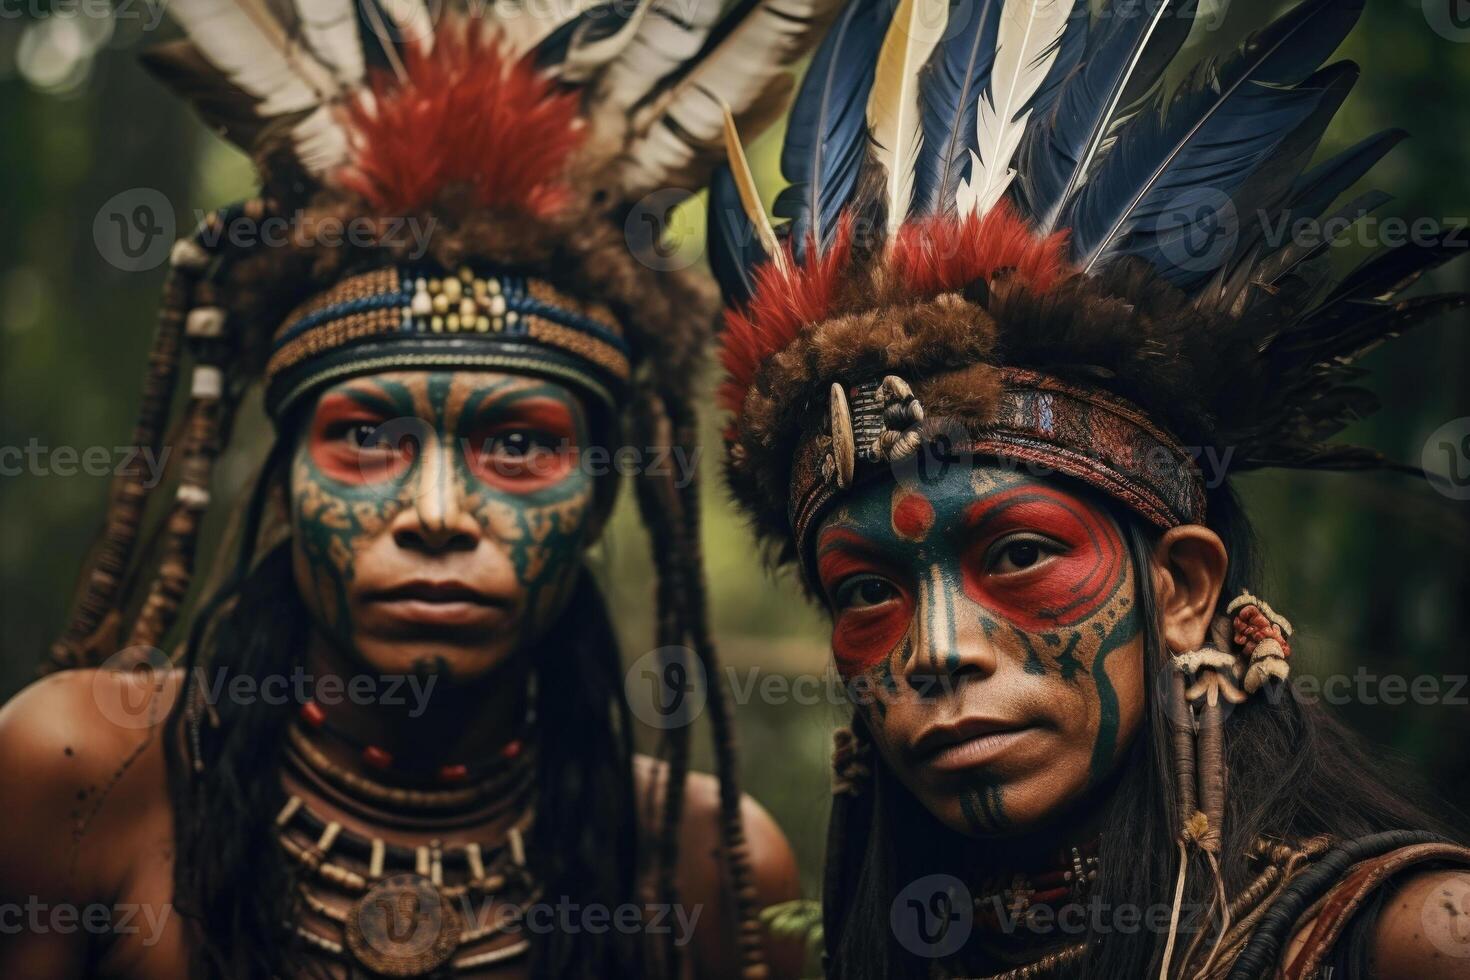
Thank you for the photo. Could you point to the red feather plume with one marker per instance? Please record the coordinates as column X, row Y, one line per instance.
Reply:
column 466, row 115
column 930, row 255
column 937, row 254
column 786, row 298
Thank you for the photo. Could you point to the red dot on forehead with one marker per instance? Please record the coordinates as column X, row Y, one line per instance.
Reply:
column 913, row 516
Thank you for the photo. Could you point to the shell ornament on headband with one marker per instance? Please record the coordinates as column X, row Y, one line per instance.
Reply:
column 1002, row 206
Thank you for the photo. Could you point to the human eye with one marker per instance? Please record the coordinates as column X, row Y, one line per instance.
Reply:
column 361, row 434
column 864, row 592
column 517, row 443
column 1020, row 552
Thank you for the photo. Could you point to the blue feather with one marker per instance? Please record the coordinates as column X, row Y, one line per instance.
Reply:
column 1123, row 61
column 1315, row 190
column 956, row 76
column 734, row 248
column 826, row 135
column 1070, row 50
column 1223, row 126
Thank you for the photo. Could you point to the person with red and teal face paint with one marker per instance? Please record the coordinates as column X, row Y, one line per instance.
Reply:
column 987, row 390
column 392, row 738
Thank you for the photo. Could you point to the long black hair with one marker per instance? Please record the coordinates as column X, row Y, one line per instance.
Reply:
column 1295, row 772
column 231, row 880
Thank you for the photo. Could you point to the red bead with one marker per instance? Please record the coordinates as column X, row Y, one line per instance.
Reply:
column 512, row 749
column 313, row 715
column 454, row 774
column 376, row 757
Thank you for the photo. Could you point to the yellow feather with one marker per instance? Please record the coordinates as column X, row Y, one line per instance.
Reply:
column 893, row 106
column 750, row 197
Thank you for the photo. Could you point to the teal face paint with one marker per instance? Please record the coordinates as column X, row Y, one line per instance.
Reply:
column 440, row 512
column 982, row 616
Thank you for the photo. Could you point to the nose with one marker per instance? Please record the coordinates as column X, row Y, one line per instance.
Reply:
column 950, row 634
column 437, row 518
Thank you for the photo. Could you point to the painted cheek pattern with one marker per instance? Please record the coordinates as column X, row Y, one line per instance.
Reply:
column 535, row 506
column 864, row 635
column 1069, row 612
column 539, row 519
column 550, row 455
column 1064, row 618
column 1066, row 589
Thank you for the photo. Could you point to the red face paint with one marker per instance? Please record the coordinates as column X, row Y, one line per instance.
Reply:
column 864, row 635
column 342, row 446
column 1064, row 590
column 529, row 446
column 913, row 516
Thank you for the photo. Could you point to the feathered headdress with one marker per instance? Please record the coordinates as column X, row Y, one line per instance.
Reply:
column 522, row 138
column 998, row 219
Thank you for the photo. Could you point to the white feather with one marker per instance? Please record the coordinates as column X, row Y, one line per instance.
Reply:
column 668, row 37
column 683, row 128
column 584, row 60
column 320, row 141
column 526, row 23
column 251, row 48
column 895, row 128
column 1026, row 48
column 329, row 28
column 411, row 20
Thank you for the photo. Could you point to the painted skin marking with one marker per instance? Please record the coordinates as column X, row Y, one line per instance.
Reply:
column 1064, row 619
column 1122, row 633
column 433, row 436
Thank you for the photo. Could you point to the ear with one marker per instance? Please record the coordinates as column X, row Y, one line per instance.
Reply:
column 1188, row 571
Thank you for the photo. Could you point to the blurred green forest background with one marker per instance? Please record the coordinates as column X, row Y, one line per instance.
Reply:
column 1372, row 569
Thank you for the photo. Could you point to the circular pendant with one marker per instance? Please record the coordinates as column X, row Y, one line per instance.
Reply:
column 403, row 927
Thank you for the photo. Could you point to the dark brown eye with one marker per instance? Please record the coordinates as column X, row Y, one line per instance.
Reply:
column 517, row 443
column 1023, row 554
column 1018, row 553
column 363, row 435
column 865, row 591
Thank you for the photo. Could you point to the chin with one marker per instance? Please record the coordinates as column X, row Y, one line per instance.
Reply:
column 456, row 662
column 1024, row 808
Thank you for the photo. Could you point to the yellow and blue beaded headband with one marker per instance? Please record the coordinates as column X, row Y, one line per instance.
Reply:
column 419, row 317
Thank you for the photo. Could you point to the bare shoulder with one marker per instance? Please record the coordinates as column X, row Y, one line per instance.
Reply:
column 704, row 888
column 1423, row 932
column 80, row 754
column 772, row 860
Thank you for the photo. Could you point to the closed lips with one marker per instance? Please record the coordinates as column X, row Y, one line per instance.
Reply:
column 432, row 592
column 968, row 743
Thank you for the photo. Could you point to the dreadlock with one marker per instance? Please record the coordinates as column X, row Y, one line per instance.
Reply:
column 231, row 880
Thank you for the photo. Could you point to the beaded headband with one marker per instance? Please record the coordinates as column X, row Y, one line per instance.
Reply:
column 417, row 318
column 1041, row 422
